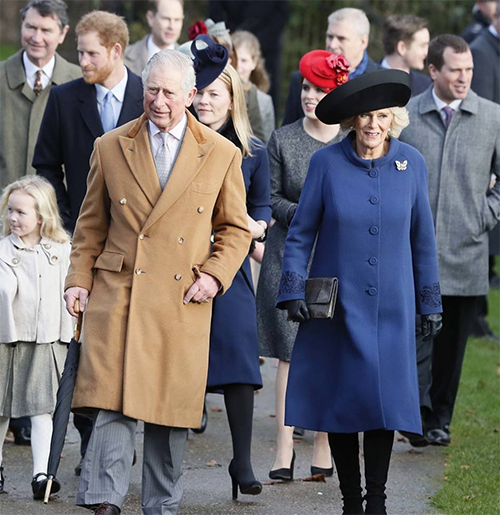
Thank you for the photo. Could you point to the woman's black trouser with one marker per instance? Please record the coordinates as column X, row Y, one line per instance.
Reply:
column 377, row 448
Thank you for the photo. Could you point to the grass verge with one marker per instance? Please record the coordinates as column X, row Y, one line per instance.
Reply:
column 472, row 476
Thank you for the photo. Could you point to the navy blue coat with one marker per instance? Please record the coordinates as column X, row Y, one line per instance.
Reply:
column 71, row 123
column 375, row 233
column 234, row 346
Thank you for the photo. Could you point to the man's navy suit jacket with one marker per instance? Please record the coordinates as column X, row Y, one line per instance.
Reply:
column 71, row 123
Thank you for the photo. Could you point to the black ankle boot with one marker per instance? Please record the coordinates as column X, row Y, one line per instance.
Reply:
column 353, row 506
column 2, row 481
column 375, row 505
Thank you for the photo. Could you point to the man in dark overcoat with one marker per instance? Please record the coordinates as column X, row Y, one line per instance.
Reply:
column 458, row 133
column 482, row 14
column 486, row 83
column 108, row 95
column 347, row 33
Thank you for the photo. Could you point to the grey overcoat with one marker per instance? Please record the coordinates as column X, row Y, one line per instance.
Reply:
column 22, row 112
column 460, row 160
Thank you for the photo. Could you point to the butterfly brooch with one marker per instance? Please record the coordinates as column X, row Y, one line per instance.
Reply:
column 401, row 165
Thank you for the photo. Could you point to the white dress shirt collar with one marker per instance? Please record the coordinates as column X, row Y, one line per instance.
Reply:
column 153, row 48
column 493, row 30
column 30, row 69
column 455, row 105
column 118, row 91
column 173, row 141
column 384, row 64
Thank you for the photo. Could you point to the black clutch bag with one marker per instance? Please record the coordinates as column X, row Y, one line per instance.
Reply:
column 321, row 296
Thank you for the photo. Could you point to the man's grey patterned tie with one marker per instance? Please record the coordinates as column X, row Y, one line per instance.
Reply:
column 163, row 160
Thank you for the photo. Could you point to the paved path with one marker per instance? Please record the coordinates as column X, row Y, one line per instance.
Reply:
column 413, row 479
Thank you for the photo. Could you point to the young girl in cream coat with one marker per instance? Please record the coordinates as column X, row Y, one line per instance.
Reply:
column 34, row 324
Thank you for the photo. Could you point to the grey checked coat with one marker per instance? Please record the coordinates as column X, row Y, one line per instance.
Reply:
column 460, row 160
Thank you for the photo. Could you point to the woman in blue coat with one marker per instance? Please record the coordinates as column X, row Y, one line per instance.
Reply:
column 234, row 348
column 365, row 203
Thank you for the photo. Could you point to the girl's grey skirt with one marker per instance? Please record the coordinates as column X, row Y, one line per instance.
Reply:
column 29, row 377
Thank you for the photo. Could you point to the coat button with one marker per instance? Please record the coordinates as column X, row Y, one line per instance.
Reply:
column 46, row 246
column 372, row 291
column 374, row 200
column 373, row 229
column 373, row 174
column 180, row 241
column 201, row 209
column 373, row 260
column 141, row 237
column 54, row 259
column 123, row 201
column 139, row 271
column 15, row 261
column 178, row 277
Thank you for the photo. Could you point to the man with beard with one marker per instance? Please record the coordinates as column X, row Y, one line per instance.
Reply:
column 108, row 95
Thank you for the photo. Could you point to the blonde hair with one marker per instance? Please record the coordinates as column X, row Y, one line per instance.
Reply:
column 45, row 206
column 400, row 120
column 239, row 115
column 259, row 76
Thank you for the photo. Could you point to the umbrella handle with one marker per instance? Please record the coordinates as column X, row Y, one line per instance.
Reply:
column 48, row 488
column 78, row 328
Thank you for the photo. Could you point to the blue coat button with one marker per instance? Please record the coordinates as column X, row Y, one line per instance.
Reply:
column 373, row 260
column 372, row 291
column 373, row 174
column 374, row 200
column 373, row 229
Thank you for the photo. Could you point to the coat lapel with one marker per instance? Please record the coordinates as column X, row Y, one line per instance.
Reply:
column 192, row 155
column 137, row 151
column 88, row 108
column 132, row 101
column 16, row 76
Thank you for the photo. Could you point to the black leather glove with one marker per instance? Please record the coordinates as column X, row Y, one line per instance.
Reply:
column 297, row 310
column 431, row 325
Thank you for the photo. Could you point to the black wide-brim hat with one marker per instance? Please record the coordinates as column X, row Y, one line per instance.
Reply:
column 369, row 92
column 209, row 61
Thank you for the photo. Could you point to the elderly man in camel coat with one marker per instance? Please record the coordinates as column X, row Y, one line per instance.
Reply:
column 142, row 250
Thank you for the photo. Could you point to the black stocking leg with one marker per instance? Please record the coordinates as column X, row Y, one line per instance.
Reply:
column 239, row 405
column 345, row 452
column 377, row 448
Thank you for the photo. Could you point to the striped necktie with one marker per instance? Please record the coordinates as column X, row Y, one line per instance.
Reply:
column 448, row 114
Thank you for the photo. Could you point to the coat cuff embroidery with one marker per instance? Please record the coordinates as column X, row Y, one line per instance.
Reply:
column 292, row 282
column 431, row 295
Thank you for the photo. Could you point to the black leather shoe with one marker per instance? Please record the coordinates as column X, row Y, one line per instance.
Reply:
column 39, row 487
column 107, row 509
column 285, row 474
column 414, row 439
column 2, row 482
column 22, row 436
column 438, row 437
column 316, row 471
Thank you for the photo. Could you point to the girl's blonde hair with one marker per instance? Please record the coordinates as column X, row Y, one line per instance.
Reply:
column 259, row 76
column 45, row 205
column 400, row 120
column 239, row 115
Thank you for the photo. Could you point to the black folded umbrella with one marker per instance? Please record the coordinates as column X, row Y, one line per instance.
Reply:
column 63, row 406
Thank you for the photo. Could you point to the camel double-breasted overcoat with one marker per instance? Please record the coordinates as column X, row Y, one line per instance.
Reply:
column 138, row 250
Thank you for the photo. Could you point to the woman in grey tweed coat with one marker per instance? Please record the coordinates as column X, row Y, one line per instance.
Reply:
column 290, row 150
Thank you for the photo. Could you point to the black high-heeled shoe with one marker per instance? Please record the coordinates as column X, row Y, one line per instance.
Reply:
column 316, row 471
column 285, row 474
column 254, row 487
